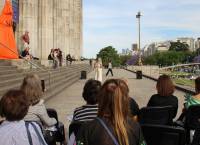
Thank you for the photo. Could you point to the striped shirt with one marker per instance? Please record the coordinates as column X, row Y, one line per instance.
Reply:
column 85, row 113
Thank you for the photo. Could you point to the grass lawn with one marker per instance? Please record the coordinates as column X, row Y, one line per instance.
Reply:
column 184, row 82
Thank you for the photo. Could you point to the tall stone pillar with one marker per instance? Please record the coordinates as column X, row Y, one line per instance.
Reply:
column 28, row 21
column 45, row 29
column 75, row 28
column 78, row 27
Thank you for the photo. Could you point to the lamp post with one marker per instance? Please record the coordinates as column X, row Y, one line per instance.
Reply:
column 138, row 17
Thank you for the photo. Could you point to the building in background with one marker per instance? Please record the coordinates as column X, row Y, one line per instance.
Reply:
column 152, row 48
column 126, row 52
column 134, row 47
column 197, row 43
column 189, row 41
column 51, row 24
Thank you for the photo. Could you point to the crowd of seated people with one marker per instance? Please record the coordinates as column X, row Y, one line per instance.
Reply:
column 108, row 117
column 113, row 100
column 26, row 117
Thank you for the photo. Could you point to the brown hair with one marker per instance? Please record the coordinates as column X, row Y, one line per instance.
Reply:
column 197, row 85
column 32, row 88
column 113, row 102
column 14, row 105
column 165, row 86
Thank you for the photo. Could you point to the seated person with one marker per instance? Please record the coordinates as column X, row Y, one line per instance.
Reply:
column 89, row 111
column 196, row 137
column 134, row 108
column 113, row 123
column 26, row 54
column 13, row 131
column 164, row 97
column 32, row 88
column 191, row 100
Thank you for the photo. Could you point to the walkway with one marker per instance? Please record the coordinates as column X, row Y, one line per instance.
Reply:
column 140, row 90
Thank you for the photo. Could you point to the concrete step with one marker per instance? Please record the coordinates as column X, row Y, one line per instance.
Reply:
column 56, row 77
column 19, row 74
column 4, row 62
column 49, row 94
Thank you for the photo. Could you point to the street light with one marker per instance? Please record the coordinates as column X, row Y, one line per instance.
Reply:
column 138, row 17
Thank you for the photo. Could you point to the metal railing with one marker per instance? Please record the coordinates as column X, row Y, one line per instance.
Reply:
column 31, row 64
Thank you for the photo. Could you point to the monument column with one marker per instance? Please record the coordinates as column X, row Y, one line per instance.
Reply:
column 45, row 29
column 28, row 21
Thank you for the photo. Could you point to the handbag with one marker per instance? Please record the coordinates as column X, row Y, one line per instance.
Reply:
column 49, row 136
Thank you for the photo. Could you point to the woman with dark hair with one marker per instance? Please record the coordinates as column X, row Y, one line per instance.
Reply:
column 164, row 97
column 89, row 111
column 113, row 125
column 14, row 131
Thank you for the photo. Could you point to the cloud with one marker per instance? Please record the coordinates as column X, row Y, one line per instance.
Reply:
column 113, row 22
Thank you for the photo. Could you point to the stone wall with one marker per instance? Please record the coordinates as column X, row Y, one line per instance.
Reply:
column 51, row 24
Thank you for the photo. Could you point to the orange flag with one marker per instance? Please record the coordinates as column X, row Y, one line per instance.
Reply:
column 8, row 48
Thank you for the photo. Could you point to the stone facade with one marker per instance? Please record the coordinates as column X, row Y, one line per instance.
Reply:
column 51, row 24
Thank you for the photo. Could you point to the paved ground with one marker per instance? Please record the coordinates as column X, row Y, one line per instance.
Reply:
column 70, row 98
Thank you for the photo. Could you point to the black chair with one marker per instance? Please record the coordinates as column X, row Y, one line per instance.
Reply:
column 192, row 116
column 74, row 127
column 196, row 137
column 163, row 135
column 60, row 133
column 156, row 115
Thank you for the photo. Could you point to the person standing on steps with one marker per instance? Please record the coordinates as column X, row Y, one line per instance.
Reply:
column 109, row 68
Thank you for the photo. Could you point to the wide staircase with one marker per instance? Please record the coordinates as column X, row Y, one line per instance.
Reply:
column 55, row 79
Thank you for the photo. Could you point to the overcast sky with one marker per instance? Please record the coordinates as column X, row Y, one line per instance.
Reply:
column 113, row 22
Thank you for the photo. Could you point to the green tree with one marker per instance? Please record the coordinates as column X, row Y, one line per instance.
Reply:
column 124, row 59
column 169, row 58
column 178, row 46
column 109, row 54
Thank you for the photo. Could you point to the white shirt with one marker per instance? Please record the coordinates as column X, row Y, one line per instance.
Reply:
column 14, row 133
column 110, row 65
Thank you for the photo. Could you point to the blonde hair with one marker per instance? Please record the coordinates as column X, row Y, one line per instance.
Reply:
column 113, row 102
column 31, row 86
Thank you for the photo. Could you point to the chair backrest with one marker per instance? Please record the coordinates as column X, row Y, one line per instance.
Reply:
column 163, row 135
column 74, row 127
column 156, row 115
column 52, row 113
column 191, row 117
column 60, row 133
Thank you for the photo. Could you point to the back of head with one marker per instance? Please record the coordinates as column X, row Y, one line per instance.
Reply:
column 165, row 86
column 90, row 91
column 14, row 105
column 32, row 88
column 197, row 85
column 113, row 104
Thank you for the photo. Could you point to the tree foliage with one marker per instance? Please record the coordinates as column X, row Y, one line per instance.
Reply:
column 109, row 54
column 178, row 46
column 124, row 59
column 169, row 58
